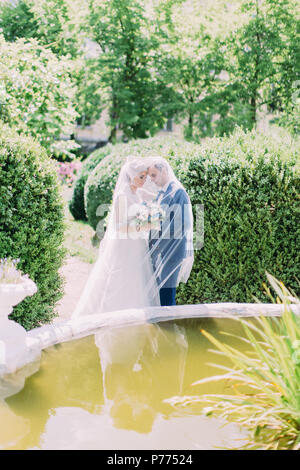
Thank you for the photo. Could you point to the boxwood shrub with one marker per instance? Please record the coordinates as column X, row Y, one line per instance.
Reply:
column 251, row 225
column 249, row 186
column 76, row 204
column 31, row 222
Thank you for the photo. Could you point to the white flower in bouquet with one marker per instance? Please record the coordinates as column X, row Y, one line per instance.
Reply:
column 147, row 215
column 156, row 211
column 156, row 214
column 139, row 214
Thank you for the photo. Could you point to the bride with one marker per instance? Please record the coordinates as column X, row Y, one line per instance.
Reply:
column 123, row 273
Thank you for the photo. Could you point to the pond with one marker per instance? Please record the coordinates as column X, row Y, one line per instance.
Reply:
column 108, row 391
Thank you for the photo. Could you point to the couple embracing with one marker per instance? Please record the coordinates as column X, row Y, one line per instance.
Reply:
column 140, row 265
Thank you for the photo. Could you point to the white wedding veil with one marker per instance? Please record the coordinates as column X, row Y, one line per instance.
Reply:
column 172, row 249
column 122, row 276
column 132, row 267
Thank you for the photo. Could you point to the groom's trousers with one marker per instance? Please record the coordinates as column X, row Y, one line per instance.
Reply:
column 167, row 296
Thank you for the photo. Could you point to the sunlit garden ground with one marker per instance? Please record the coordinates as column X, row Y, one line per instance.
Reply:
column 79, row 235
column 81, row 254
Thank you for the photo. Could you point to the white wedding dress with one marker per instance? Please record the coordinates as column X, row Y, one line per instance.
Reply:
column 123, row 275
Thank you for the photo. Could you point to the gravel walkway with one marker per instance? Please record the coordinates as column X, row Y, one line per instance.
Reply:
column 76, row 273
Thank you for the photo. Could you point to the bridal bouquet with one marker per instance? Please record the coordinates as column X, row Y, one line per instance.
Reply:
column 147, row 215
column 156, row 214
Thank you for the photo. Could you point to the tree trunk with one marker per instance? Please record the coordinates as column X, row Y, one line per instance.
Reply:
column 113, row 135
column 191, row 126
column 113, row 116
column 253, row 108
column 191, row 118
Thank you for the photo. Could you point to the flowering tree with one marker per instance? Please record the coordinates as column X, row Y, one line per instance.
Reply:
column 37, row 94
column 59, row 26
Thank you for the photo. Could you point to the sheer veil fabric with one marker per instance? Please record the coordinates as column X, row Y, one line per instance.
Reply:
column 171, row 248
column 133, row 265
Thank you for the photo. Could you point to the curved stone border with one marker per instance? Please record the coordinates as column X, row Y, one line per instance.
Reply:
column 67, row 330
column 48, row 335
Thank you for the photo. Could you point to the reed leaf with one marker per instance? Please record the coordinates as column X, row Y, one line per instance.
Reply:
column 270, row 371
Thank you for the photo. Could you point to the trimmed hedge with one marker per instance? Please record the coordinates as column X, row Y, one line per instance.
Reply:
column 76, row 204
column 31, row 222
column 249, row 185
column 251, row 223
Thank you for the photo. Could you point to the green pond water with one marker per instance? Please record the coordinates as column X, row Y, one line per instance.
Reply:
column 108, row 391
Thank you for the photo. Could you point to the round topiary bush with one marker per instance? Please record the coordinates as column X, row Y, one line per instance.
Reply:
column 76, row 204
column 32, row 222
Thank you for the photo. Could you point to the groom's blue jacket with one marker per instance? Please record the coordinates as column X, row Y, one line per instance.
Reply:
column 169, row 247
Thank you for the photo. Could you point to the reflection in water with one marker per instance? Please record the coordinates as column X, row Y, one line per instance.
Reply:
column 12, row 427
column 69, row 376
column 107, row 392
column 134, row 388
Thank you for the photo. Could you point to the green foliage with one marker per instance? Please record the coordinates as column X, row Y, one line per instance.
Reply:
column 256, row 51
column 264, row 56
column 32, row 222
column 17, row 20
column 267, row 378
column 76, row 204
column 37, row 93
column 55, row 24
column 283, row 90
column 191, row 65
column 249, row 186
column 89, row 97
column 290, row 118
column 134, row 93
column 58, row 25
column 208, row 65
column 250, row 190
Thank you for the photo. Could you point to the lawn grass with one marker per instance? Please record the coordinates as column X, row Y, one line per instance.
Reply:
column 78, row 235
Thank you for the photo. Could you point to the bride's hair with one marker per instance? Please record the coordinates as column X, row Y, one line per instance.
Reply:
column 159, row 163
column 133, row 167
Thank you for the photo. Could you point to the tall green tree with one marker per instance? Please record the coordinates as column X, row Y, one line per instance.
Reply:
column 259, row 54
column 195, row 80
column 190, row 62
column 126, row 65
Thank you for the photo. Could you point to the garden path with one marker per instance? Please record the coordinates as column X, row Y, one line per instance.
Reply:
column 75, row 272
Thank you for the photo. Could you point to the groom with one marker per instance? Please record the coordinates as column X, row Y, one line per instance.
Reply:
column 169, row 245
